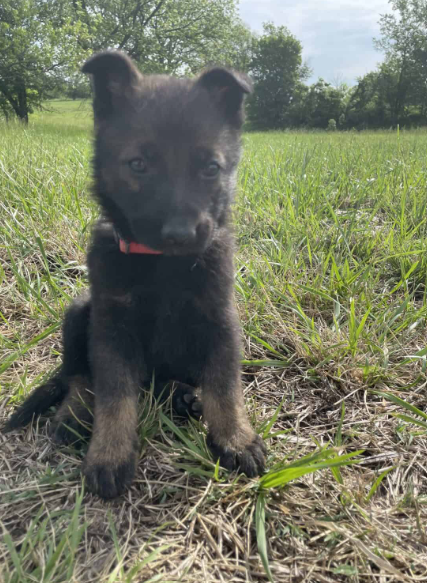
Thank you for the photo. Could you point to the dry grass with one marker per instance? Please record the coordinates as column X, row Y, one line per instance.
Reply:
column 309, row 378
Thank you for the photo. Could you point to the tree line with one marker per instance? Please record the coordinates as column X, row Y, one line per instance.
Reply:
column 43, row 43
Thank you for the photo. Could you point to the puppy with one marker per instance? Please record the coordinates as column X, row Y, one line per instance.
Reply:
column 160, row 270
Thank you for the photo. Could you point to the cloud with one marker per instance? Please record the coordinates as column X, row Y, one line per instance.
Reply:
column 337, row 35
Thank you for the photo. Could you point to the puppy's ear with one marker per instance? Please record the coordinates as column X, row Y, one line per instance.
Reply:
column 115, row 77
column 228, row 89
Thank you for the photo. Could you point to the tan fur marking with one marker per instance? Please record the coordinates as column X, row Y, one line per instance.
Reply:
column 227, row 420
column 114, row 434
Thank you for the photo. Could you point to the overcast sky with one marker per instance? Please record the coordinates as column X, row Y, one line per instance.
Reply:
column 336, row 34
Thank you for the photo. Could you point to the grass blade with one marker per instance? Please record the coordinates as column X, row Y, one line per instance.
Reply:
column 377, row 482
column 401, row 402
column 261, row 535
column 284, row 476
column 410, row 419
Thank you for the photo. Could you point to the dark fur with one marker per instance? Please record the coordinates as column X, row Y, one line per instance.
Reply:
column 173, row 314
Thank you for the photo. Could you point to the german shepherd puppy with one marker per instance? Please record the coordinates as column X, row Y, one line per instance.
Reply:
column 160, row 271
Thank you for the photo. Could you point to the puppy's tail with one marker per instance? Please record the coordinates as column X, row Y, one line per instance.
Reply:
column 37, row 403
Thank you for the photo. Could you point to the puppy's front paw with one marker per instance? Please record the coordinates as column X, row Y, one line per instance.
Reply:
column 109, row 478
column 248, row 458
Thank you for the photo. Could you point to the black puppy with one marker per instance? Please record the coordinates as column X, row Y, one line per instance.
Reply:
column 160, row 270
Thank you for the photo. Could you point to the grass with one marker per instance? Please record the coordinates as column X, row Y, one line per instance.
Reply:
column 331, row 287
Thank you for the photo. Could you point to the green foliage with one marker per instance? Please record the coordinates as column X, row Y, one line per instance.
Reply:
column 323, row 459
column 261, row 535
column 282, row 474
column 316, row 105
column 404, row 41
column 43, row 43
column 164, row 35
column 377, row 483
column 411, row 408
column 396, row 93
column 6, row 110
column 332, row 125
column 277, row 69
column 37, row 49
column 55, row 549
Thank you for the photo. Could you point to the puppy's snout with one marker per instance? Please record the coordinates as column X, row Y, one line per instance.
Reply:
column 179, row 232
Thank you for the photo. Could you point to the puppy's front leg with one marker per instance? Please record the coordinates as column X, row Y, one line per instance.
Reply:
column 231, row 437
column 116, row 362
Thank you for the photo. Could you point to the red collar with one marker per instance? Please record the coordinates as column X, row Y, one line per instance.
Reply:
column 127, row 248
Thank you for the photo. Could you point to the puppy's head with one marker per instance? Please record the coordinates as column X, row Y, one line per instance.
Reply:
column 166, row 151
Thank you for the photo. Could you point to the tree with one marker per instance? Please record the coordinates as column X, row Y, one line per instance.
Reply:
column 277, row 70
column 397, row 91
column 319, row 104
column 76, row 86
column 5, row 109
column 43, row 42
column 167, row 36
column 404, row 41
column 37, row 48
column 238, row 51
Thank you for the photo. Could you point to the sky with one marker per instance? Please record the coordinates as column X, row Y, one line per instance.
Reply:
column 336, row 35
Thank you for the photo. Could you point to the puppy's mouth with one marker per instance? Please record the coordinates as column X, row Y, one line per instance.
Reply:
column 182, row 251
column 174, row 243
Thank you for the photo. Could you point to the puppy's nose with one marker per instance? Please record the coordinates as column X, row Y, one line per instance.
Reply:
column 178, row 232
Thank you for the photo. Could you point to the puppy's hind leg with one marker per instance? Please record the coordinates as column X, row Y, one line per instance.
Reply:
column 73, row 420
column 75, row 332
column 40, row 400
column 75, row 362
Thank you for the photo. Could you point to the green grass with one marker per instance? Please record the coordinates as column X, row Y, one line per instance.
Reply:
column 331, row 288
column 68, row 114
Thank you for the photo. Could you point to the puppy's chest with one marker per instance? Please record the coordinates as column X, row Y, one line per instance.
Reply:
column 166, row 310
column 161, row 304
column 154, row 311
column 168, row 326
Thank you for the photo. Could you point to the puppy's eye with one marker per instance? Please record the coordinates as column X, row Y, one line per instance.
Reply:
column 211, row 170
column 138, row 165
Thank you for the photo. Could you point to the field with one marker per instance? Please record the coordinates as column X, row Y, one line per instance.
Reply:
column 331, row 285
